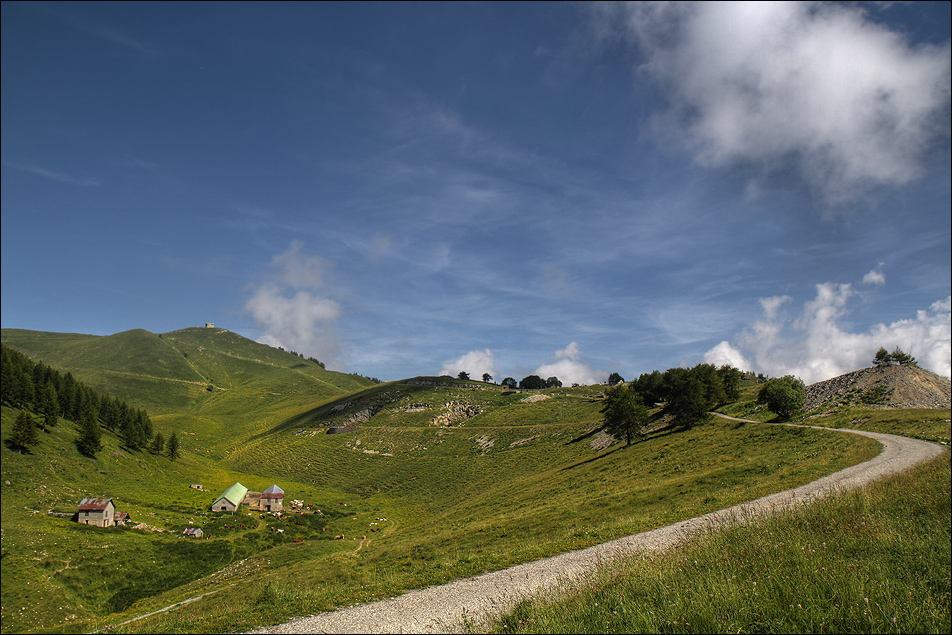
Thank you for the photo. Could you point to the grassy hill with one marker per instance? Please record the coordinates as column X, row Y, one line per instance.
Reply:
column 430, row 479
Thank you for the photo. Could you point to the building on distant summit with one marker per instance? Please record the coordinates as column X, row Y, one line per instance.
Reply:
column 209, row 325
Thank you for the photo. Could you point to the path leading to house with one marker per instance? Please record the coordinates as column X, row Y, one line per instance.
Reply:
column 450, row 607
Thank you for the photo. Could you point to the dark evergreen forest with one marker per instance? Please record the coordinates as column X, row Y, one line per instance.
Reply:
column 45, row 395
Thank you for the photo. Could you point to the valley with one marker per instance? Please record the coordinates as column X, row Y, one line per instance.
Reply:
column 430, row 479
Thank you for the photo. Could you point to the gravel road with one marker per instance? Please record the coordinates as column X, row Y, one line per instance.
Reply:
column 447, row 608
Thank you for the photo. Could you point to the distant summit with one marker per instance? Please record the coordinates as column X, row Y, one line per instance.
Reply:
column 887, row 387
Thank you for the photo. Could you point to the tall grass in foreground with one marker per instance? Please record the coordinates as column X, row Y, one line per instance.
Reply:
column 870, row 561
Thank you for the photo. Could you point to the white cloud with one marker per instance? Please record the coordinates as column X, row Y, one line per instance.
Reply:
column 476, row 363
column 762, row 84
column 569, row 352
column 291, row 315
column 724, row 353
column 815, row 347
column 295, row 269
column 569, row 369
column 874, row 277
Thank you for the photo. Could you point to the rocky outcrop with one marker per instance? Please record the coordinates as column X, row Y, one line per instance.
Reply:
column 456, row 412
column 889, row 387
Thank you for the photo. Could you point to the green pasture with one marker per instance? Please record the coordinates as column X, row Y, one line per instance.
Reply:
column 929, row 425
column 398, row 502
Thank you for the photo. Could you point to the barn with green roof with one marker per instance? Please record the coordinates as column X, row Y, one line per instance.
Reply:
column 231, row 499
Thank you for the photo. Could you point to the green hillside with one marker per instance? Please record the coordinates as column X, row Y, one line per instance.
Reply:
column 186, row 371
column 429, row 479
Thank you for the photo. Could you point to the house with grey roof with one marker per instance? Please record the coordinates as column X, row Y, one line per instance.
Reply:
column 272, row 499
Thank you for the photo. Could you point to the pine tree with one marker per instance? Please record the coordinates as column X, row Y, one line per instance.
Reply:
column 24, row 433
column 132, row 435
column 172, row 447
column 158, row 443
column 90, row 435
column 49, row 406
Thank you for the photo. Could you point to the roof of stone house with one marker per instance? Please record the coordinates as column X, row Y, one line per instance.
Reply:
column 94, row 504
column 234, row 494
column 273, row 492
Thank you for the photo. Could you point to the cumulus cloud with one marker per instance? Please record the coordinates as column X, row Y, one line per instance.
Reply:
column 814, row 346
column 874, row 277
column 476, row 363
column 569, row 368
column 291, row 312
column 766, row 85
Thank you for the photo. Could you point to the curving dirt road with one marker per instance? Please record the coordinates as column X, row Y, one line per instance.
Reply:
column 449, row 607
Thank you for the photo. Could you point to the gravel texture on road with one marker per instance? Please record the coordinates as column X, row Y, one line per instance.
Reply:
column 471, row 602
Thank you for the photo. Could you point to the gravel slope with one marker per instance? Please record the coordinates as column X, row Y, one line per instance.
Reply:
column 448, row 607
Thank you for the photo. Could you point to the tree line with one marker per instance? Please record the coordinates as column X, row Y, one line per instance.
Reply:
column 687, row 395
column 532, row 382
column 44, row 395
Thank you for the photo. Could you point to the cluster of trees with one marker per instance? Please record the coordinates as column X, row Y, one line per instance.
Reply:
column 687, row 395
column 44, row 395
column 884, row 358
column 532, row 382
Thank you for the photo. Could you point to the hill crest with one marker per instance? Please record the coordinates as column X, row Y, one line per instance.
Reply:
column 891, row 387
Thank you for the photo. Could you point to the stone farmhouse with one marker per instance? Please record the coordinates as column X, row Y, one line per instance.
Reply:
column 100, row 512
column 272, row 499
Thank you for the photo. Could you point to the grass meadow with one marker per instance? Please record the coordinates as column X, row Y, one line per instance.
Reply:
column 414, row 504
column 870, row 561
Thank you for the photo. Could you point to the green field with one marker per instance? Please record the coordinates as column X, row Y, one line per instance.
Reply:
column 499, row 481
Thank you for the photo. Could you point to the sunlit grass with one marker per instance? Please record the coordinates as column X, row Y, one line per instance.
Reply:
column 870, row 561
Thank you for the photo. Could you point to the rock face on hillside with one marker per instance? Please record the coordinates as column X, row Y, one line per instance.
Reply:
column 889, row 387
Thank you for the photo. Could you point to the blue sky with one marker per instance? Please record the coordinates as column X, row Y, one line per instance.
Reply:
column 559, row 189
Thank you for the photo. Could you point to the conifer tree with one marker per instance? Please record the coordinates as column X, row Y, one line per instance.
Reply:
column 158, row 443
column 90, row 435
column 24, row 433
column 172, row 447
column 132, row 435
column 49, row 406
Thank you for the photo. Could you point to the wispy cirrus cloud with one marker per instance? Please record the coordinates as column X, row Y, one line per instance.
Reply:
column 102, row 31
column 55, row 175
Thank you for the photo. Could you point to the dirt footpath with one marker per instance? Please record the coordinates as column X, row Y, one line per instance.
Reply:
column 449, row 607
